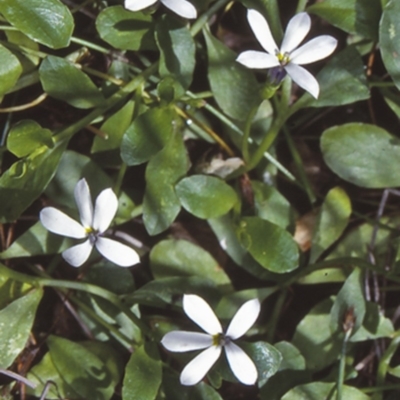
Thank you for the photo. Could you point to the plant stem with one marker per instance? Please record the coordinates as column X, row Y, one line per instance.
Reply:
column 203, row 19
column 82, row 286
column 301, row 5
column 342, row 366
column 246, row 133
column 299, row 164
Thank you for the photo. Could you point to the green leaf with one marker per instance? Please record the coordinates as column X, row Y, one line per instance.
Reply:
column 323, row 275
column 26, row 179
column 143, row 374
column 114, row 127
column 225, row 230
column 64, row 81
column 238, row 99
column 363, row 154
column 205, row 196
column 169, row 291
column 126, row 30
column 90, row 369
column 291, row 372
column 45, row 371
column 332, row 220
column 342, row 81
column 35, row 241
column 10, row 70
column 353, row 16
column 266, row 357
column 16, row 322
column 349, row 302
column 271, row 205
column 375, row 325
column 147, row 135
column 161, row 204
column 170, row 258
column 175, row 391
column 48, row 22
column 272, row 246
column 322, row 390
column 389, row 39
column 319, row 346
column 26, row 136
column 177, row 50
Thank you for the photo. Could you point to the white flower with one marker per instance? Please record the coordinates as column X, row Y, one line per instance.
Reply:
column 93, row 224
column 180, row 7
column 289, row 56
column 214, row 340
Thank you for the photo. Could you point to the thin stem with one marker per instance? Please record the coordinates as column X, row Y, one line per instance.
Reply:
column 276, row 315
column 342, row 365
column 90, row 45
column 82, row 286
column 120, row 177
column 385, row 359
column 301, row 5
column 203, row 19
column 246, row 133
column 206, row 129
column 26, row 106
column 299, row 164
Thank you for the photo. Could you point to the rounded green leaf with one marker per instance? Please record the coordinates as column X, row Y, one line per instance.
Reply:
column 143, row 374
column 342, row 81
column 332, row 220
column 353, row 16
column 147, row 135
column 323, row 390
column 126, row 30
column 15, row 326
column 10, row 70
column 350, row 300
column 62, row 80
column 177, row 50
column 48, row 22
column 85, row 367
column 205, row 196
column 272, row 246
column 363, row 154
column 170, row 258
column 234, row 86
column 389, row 35
column 266, row 358
column 161, row 204
column 26, row 136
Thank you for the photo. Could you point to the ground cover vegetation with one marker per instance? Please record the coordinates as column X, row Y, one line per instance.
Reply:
column 198, row 199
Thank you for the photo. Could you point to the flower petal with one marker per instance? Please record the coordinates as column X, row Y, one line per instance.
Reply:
column 137, row 5
column 241, row 364
column 84, row 203
column 181, row 7
column 57, row 222
column 244, row 319
column 77, row 255
column 303, row 78
column 257, row 59
column 195, row 371
column 261, row 30
column 296, row 31
column 116, row 252
column 314, row 50
column 181, row 341
column 201, row 313
column 104, row 210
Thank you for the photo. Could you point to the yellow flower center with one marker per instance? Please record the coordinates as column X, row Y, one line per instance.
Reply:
column 283, row 58
column 220, row 339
